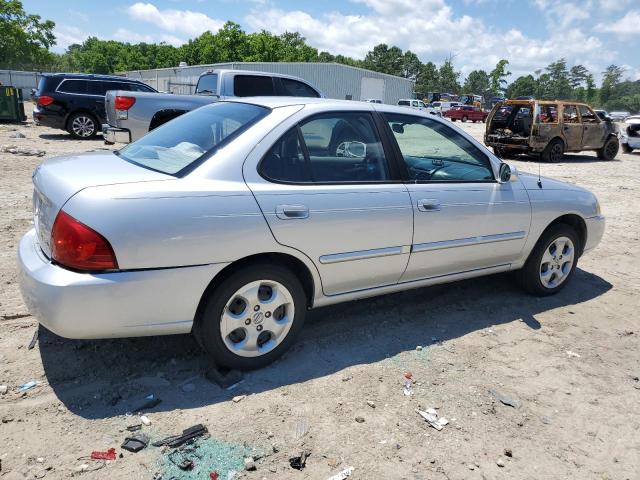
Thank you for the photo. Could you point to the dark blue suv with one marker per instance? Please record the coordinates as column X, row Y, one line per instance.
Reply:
column 75, row 102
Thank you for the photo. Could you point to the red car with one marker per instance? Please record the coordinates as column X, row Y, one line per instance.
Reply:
column 466, row 112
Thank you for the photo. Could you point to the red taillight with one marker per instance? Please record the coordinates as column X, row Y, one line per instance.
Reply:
column 77, row 246
column 124, row 103
column 45, row 100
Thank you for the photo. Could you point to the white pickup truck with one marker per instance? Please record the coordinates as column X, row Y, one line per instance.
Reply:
column 130, row 115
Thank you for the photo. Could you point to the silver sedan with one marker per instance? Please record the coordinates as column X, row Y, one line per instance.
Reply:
column 233, row 220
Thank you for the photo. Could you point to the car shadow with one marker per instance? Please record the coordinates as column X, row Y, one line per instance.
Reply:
column 568, row 158
column 68, row 136
column 106, row 378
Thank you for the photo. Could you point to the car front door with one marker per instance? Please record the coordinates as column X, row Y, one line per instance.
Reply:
column 593, row 128
column 464, row 219
column 327, row 188
column 571, row 127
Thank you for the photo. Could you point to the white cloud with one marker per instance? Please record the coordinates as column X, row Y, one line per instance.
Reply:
column 435, row 36
column 67, row 35
column 185, row 22
column 627, row 26
column 125, row 35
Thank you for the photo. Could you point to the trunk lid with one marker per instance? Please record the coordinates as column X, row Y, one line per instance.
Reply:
column 58, row 179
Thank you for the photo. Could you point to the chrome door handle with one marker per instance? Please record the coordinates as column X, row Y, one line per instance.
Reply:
column 288, row 212
column 428, row 205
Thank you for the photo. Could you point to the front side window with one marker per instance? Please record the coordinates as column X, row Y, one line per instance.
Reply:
column 434, row 152
column 73, row 86
column 570, row 114
column 253, row 86
column 587, row 115
column 98, row 88
column 184, row 141
column 330, row 148
column 295, row 88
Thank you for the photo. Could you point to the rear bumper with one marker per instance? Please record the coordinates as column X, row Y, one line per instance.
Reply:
column 595, row 231
column 115, row 134
column 109, row 305
column 48, row 119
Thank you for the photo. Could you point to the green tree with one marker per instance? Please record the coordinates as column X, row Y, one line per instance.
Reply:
column 559, row 85
column 428, row 79
column 24, row 38
column 498, row 77
column 410, row 65
column 611, row 77
column 384, row 59
column 449, row 78
column 477, row 83
column 524, row 86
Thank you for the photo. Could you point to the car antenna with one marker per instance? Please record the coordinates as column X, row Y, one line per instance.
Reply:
column 539, row 177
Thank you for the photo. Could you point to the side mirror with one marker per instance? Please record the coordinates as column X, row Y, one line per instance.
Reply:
column 397, row 128
column 505, row 173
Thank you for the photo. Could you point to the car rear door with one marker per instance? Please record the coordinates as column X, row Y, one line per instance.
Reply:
column 97, row 90
column 328, row 187
column 464, row 219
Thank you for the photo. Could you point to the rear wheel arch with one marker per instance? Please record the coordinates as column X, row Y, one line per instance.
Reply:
column 291, row 263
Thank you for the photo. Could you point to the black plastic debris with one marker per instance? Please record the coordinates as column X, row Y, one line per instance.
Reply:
column 34, row 339
column 136, row 442
column 188, row 434
column 299, row 462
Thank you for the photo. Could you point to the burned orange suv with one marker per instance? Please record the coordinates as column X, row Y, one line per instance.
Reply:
column 549, row 129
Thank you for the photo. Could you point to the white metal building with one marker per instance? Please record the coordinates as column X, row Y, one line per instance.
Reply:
column 333, row 79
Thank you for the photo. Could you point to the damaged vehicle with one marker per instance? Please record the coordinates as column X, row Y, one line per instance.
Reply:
column 549, row 129
column 630, row 134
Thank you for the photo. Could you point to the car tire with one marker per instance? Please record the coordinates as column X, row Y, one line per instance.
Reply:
column 453, row 119
column 552, row 262
column 82, row 125
column 610, row 149
column 231, row 330
column 626, row 148
column 553, row 152
column 464, row 118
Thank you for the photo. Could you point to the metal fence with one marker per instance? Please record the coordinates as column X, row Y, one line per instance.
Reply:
column 333, row 79
column 22, row 80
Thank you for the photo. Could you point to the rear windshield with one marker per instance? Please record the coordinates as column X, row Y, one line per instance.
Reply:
column 183, row 143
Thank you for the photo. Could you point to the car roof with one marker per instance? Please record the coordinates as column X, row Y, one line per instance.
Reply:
column 252, row 72
column 328, row 103
column 543, row 102
column 90, row 76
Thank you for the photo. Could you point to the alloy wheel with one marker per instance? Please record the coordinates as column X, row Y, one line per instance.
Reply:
column 557, row 262
column 257, row 318
column 83, row 126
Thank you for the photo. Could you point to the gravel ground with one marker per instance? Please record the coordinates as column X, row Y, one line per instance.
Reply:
column 570, row 362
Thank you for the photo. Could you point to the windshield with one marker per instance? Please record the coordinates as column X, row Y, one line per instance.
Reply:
column 208, row 84
column 184, row 141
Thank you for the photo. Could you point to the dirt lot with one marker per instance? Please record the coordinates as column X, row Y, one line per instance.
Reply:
column 571, row 362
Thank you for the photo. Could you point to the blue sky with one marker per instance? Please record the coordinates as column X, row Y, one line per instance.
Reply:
column 477, row 33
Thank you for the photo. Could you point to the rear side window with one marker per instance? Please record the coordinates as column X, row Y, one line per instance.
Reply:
column 404, row 103
column 253, row 86
column 330, row 148
column 139, row 87
column 295, row 88
column 182, row 143
column 97, row 88
column 73, row 86
column 587, row 115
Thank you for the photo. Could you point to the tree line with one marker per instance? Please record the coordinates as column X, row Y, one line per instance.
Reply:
column 26, row 40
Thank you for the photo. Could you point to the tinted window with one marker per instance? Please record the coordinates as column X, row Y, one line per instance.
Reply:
column 252, row 86
column 338, row 148
column 139, row 87
column 404, row 103
column 434, row 152
column 295, row 88
column 208, row 84
column 183, row 141
column 73, row 86
column 97, row 87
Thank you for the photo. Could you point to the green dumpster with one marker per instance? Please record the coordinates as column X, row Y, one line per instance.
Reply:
column 11, row 105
